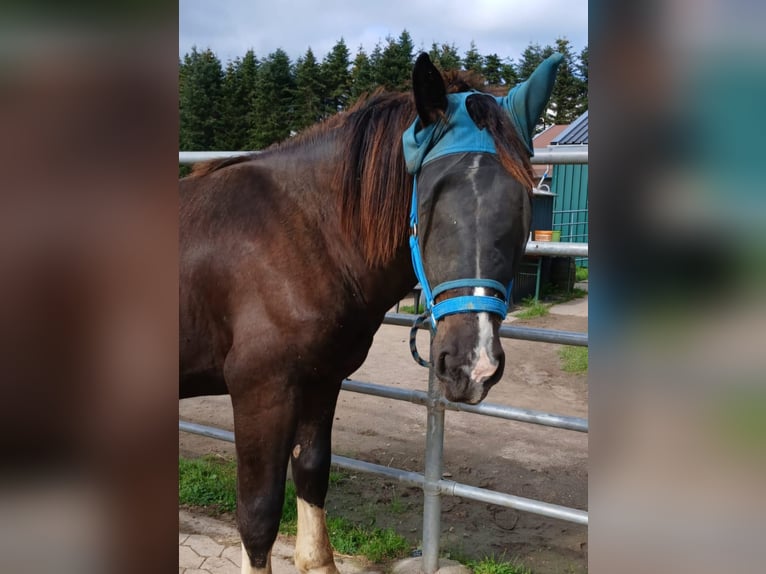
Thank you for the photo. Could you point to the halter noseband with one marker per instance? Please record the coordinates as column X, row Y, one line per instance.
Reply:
column 457, row 134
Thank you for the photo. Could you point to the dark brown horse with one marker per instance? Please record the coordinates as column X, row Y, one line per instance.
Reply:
column 290, row 258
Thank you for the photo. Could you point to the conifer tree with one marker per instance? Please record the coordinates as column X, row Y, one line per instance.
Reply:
column 473, row 61
column 531, row 57
column 394, row 68
column 274, row 101
column 199, row 100
column 445, row 56
column 568, row 89
column 309, row 91
column 493, row 70
column 508, row 73
column 336, row 77
column 362, row 75
column 238, row 93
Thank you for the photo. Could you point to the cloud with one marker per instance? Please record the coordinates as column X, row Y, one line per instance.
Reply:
column 232, row 27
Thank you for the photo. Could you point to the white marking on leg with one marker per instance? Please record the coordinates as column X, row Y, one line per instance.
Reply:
column 248, row 568
column 313, row 552
column 484, row 366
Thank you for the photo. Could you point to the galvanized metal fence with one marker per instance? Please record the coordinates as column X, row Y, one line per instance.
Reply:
column 431, row 480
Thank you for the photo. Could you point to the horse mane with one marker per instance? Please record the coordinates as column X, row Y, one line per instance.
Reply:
column 370, row 180
column 373, row 186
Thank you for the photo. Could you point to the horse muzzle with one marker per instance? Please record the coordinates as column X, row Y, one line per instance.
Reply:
column 467, row 355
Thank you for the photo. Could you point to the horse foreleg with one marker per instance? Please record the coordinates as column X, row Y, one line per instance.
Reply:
column 264, row 426
column 310, row 462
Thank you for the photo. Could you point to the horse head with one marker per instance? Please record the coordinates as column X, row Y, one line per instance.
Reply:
column 471, row 216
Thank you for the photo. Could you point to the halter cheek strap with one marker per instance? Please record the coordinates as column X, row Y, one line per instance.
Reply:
column 477, row 302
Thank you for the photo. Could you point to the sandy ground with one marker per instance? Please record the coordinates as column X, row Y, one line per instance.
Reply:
column 522, row 459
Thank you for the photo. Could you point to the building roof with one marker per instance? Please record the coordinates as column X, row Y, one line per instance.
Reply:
column 542, row 141
column 575, row 134
column 544, row 138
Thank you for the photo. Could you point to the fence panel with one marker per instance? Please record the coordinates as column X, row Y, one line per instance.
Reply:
column 431, row 480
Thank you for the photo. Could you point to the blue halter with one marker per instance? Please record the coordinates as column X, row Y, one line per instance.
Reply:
column 455, row 135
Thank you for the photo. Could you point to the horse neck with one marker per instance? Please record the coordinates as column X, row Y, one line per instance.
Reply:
column 379, row 284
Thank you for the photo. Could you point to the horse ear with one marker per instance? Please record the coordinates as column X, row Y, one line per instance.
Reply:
column 526, row 102
column 429, row 89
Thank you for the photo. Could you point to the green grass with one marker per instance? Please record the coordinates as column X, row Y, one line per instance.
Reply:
column 563, row 297
column 581, row 274
column 373, row 543
column 211, row 483
column 411, row 309
column 492, row 566
column 574, row 359
column 532, row 308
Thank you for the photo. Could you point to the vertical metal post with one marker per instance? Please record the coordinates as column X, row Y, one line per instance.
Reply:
column 433, row 472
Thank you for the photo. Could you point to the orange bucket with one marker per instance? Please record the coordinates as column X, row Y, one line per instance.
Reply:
column 543, row 235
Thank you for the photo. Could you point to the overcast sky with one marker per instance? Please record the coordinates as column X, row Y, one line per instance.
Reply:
column 504, row 27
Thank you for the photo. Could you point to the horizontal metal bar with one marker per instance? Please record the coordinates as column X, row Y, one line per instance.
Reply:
column 508, row 331
column 195, row 156
column 521, row 415
column 403, row 476
column 557, row 248
column 449, row 487
column 542, row 156
column 561, row 156
column 452, row 488
column 511, row 501
column 386, row 392
column 207, row 431
column 487, row 409
column 544, row 335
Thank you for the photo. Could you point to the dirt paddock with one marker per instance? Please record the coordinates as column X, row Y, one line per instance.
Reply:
column 517, row 458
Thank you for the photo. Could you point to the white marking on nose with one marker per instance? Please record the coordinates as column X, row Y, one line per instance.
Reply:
column 484, row 366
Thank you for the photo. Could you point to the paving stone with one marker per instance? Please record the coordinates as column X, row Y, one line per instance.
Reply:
column 217, row 565
column 413, row 566
column 182, row 538
column 233, row 553
column 203, row 545
column 188, row 558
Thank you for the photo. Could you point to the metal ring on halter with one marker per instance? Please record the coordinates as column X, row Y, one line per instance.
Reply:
column 413, row 340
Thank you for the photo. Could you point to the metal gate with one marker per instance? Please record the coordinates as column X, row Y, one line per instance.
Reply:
column 431, row 480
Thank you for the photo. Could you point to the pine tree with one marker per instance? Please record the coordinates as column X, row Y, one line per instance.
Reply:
column 336, row 78
column 394, row 67
column 362, row 75
column 445, row 56
column 493, row 70
column 309, row 91
column 274, row 101
column 582, row 69
column 473, row 61
column 508, row 73
column 199, row 100
column 238, row 92
column 530, row 59
column 568, row 89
